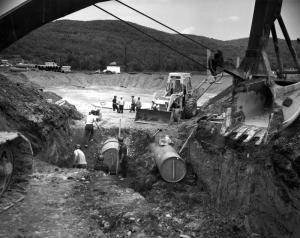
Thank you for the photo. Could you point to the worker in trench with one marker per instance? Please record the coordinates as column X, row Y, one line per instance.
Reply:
column 123, row 158
column 89, row 129
column 79, row 158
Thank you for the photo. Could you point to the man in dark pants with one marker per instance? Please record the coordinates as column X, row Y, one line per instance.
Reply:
column 121, row 105
column 89, row 129
column 114, row 104
column 132, row 108
column 123, row 157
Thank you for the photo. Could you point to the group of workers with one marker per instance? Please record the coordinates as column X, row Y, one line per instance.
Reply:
column 118, row 105
column 79, row 156
column 81, row 163
column 91, row 120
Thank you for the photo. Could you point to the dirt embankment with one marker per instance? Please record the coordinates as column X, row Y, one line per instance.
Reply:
column 258, row 186
column 24, row 108
column 52, row 79
column 155, row 81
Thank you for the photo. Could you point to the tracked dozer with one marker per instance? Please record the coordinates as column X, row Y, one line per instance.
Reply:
column 264, row 101
column 16, row 158
column 179, row 101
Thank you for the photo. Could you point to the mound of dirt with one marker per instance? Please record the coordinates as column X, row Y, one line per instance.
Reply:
column 257, row 186
column 24, row 108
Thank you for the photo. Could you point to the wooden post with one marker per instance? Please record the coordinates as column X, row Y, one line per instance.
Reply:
column 120, row 128
column 187, row 140
column 118, row 159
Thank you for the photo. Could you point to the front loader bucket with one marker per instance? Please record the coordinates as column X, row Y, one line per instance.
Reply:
column 259, row 111
column 151, row 116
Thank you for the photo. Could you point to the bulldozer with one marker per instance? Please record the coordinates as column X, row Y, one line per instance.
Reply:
column 178, row 101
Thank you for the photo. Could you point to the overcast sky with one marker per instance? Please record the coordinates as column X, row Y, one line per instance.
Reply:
column 219, row 19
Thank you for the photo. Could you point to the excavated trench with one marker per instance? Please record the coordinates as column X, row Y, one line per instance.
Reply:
column 143, row 204
column 231, row 189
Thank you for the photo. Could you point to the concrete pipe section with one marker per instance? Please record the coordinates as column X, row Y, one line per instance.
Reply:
column 171, row 166
column 110, row 152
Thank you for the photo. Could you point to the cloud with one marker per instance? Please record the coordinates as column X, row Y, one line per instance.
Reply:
column 233, row 18
column 188, row 30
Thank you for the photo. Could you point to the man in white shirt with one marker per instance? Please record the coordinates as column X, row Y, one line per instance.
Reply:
column 89, row 128
column 79, row 158
column 121, row 105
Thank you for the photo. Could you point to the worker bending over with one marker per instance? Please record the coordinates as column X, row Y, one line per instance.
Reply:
column 89, row 128
column 79, row 158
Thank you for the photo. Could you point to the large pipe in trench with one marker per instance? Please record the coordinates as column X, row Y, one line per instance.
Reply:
column 171, row 166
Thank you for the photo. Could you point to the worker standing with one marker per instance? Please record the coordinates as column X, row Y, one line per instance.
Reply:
column 133, row 104
column 89, row 128
column 121, row 105
column 114, row 104
column 138, row 104
column 79, row 158
column 123, row 157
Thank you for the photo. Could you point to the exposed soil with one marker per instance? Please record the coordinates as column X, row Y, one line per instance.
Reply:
column 231, row 189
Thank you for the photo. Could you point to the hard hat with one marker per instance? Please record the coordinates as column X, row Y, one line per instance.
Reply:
column 120, row 139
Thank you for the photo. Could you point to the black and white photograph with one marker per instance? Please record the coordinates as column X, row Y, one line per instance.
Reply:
column 149, row 118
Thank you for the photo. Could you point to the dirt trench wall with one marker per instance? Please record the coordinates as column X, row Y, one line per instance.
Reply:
column 24, row 108
column 141, row 165
column 259, row 186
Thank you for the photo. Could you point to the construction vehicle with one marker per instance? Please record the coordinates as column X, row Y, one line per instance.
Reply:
column 178, row 101
column 263, row 103
column 16, row 158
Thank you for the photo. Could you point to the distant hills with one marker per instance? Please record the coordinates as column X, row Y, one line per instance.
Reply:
column 92, row 45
